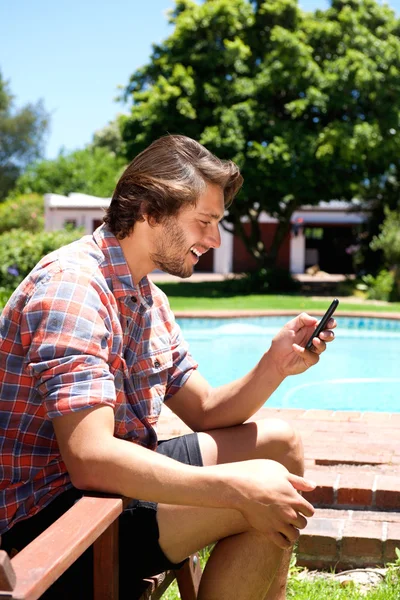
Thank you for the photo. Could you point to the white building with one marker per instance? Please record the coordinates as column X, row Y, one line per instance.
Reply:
column 304, row 246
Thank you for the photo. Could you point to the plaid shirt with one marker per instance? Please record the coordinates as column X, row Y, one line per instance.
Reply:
column 77, row 333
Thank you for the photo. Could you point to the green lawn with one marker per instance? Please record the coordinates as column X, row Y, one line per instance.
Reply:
column 300, row 588
column 322, row 589
column 215, row 296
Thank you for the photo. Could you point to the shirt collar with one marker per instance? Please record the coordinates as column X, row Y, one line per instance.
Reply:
column 115, row 264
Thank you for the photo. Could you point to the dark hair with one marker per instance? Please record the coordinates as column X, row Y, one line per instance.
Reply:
column 170, row 173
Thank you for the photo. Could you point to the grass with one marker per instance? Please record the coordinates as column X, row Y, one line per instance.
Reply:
column 389, row 589
column 216, row 296
column 300, row 588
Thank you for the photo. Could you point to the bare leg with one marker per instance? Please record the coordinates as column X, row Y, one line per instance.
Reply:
column 243, row 563
column 271, row 439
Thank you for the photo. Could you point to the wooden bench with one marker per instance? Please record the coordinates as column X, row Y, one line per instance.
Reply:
column 92, row 520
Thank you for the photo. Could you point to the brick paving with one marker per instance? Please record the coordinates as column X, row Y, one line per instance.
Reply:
column 354, row 458
column 347, row 539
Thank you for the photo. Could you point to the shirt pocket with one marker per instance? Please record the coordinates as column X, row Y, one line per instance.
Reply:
column 149, row 377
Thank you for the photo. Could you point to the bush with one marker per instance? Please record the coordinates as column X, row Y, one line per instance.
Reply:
column 379, row 287
column 389, row 238
column 264, row 281
column 5, row 293
column 20, row 251
column 22, row 212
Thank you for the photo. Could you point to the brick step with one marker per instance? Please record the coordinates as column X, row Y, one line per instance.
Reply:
column 354, row 488
column 347, row 539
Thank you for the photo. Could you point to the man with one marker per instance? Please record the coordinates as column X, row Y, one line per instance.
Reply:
column 90, row 350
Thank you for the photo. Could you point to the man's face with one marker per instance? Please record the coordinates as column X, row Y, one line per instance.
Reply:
column 182, row 239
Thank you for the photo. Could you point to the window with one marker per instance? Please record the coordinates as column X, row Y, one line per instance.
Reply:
column 70, row 224
column 96, row 223
column 314, row 233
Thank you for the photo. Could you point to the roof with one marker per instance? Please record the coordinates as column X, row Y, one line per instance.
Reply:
column 75, row 200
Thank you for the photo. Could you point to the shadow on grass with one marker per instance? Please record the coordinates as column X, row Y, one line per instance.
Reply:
column 209, row 289
column 264, row 282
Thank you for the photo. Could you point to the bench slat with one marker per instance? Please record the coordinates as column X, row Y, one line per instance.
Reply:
column 106, row 564
column 7, row 574
column 188, row 578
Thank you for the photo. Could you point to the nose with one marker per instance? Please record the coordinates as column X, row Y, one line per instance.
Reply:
column 214, row 237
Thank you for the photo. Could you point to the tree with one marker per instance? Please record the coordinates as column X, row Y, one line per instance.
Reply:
column 109, row 137
column 380, row 195
column 306, row 104
column 388, row 241
column 93, row 171
column 22, row 134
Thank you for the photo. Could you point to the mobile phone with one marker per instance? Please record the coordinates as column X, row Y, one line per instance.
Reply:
column 321, row 325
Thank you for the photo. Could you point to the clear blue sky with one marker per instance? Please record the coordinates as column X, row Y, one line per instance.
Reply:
column 74, row 54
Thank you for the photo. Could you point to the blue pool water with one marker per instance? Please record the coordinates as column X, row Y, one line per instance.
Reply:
column 360, row 370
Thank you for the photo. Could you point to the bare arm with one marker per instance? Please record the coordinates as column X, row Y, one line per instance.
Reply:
column 97, row 460
column 202, row 407
column 262, row 490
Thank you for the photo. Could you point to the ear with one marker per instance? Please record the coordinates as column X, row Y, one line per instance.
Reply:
column 151, row 221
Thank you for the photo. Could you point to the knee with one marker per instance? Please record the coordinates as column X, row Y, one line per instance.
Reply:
column 287, row 445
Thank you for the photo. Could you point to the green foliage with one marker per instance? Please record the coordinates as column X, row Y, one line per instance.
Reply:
column 388, row 241
column 379, row 195
column 5, row 293
column 92, row 170
column 396, row 563
column 264, row 281
column 389, row 238
column 304, row 103
column 21, row 137
column 379, row 287
column 24, row 212
column 21, row 250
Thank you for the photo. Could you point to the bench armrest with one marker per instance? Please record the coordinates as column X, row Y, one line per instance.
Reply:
column 33, row 570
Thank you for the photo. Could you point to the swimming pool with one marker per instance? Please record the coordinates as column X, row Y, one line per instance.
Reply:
column 359, row 371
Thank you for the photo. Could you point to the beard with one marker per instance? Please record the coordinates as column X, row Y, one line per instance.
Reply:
column 170, row 251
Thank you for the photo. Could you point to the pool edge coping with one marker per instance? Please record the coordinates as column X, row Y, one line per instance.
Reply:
column 231, row 313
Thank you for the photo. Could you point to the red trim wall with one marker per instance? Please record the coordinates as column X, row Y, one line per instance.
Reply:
column 243, row 261
column 206, row 262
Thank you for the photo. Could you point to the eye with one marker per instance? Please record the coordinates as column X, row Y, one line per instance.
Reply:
column 206, row 222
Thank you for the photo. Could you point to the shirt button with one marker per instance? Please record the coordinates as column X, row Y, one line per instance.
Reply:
column 157, row 364
column 133, row 298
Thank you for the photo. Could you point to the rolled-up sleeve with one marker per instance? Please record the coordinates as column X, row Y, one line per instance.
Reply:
column 66, row 332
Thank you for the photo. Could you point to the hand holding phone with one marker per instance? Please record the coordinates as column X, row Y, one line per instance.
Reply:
column 322, row 324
